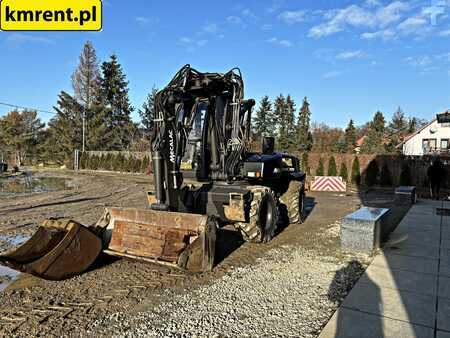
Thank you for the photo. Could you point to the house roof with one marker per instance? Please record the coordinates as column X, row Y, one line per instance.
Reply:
column 410, row 136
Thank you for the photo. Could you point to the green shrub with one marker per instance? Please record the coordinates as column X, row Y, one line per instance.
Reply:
column 332, row 170
column 304, row 162
column 356, row 172
column 385, row 176
column 343, row 172
column 320, row 171
column 145, row 164
column 372, row 172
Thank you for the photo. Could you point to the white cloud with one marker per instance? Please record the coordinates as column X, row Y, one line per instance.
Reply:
column 266, row 27
column 292, row 17
column 419, row 61
column 385, row 35
column 19, row 38
column 445, row 33
column 355, row 16
column 191, row 43
column 235, row 20
column 211, row 28
column 146, row 21
column 413, row 25
column 355, row 54
column 280, row 42
column 246, row 13
column 332, row 74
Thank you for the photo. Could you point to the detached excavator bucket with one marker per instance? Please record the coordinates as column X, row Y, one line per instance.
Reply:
column 176, row 239
column 58, row 250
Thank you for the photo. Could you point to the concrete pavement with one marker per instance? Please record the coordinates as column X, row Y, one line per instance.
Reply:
column 405, row 292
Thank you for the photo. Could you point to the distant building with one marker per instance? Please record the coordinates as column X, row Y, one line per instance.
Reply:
column 433, row 138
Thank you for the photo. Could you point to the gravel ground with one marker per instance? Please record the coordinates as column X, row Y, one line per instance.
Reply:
column 290, row 292
column 287, row 287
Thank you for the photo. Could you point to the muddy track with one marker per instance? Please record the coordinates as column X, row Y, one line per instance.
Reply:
column 35, row 307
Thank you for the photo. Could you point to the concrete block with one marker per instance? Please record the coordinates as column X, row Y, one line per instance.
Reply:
column 362, row 230
column 445, row 232
column 443, row 315
column 445, row 243
column 442, row 334
column 407, row 263
column 406, row 195
column 347, row 323
column 402, row 305
column 403, row 280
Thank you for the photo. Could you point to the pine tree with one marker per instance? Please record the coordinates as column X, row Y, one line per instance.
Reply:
column 332, row 170
column 398, row 127
column 350, row 137
column 412, row 125
column 356, row 172
column 147, row 113
column 343, row 172
column 65, row 129
column 320, row 171
column 114, row 92
column 20, row 133
column 263, row 122
column 374, row 142
column 86, row 77
column 280, row 108
column 289, row 122
column 304, row 135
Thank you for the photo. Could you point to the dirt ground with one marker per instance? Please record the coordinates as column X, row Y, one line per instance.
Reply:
column 31, row 306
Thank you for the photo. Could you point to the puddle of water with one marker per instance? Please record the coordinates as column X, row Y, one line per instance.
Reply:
column 14, row 240
column 7, row 276
column 24, row 185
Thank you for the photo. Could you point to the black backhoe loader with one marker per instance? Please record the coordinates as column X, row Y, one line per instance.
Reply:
column 202, row 122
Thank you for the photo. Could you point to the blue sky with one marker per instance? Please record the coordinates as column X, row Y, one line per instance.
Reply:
column 350, row 58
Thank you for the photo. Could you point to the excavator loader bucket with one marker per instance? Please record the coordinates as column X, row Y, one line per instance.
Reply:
column 176, row 239
column 58, row 250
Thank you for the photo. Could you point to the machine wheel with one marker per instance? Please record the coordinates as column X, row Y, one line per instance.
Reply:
column 263, row 216
column 294, row 199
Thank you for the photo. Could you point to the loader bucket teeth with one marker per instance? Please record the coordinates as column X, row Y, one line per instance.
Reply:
column 57, row 251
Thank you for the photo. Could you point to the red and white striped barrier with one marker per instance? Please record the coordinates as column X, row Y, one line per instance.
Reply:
column 329, row 183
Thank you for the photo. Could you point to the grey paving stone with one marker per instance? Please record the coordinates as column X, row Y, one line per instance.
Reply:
column 429, row 238
column 413, row 250
column 444, row 267
column 442, row 334
column 443, row 316
column 444, row 287
column 408, row 263
column 392, row 303
column 445, row 243
column 403, row 280
column 347, row 323
column 445, row 254
column 445, row 232
column 409, row 228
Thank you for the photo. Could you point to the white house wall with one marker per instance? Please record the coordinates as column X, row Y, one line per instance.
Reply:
column 413, row 147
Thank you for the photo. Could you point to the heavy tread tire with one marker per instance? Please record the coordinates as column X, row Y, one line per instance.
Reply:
column 294, row 199
column 252, row 230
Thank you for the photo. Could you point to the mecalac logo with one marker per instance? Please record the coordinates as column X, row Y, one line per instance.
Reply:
column 172, row 146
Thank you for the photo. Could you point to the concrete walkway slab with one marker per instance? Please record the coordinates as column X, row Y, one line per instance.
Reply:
column 347, row 323
column 405, row 292
column 414, row 250
column 424, row 238
column 407, row 263
column 443, row 317
column 444, row 287
column 403, row 280
column 392, row 303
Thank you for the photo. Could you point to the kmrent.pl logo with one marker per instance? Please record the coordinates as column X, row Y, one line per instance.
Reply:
column 50, row 15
